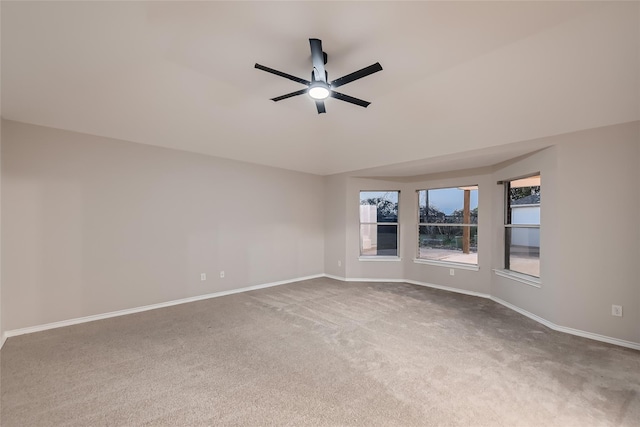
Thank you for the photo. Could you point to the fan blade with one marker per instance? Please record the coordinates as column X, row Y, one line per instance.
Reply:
column 320, row 106
column 289, row 95
column 351, row 99
column 317, row 57
column 356, row 75
column 281, row 74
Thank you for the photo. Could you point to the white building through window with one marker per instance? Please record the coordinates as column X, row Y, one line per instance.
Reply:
column 522, row 225
column 379, row 223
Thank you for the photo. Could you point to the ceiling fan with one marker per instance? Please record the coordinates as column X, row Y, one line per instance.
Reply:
column 320, row 88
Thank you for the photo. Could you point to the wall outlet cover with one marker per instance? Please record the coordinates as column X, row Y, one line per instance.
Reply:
column 616, row 310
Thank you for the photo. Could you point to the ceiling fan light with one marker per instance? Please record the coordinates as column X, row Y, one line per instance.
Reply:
column 319, row 91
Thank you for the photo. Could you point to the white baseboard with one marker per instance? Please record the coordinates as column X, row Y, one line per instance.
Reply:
column 545, row 322
column 413, row 282
column 526, row 313
column 362, row 279
column 69, row 322
column 567, row 330
column 331, row 276
column 449, row 289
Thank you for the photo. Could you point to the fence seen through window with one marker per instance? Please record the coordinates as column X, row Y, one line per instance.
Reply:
column 448, row 224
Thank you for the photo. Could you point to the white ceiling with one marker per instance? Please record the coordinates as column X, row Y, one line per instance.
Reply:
column 460, row 80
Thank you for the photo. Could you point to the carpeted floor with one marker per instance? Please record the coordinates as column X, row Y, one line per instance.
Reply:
column 319, row 352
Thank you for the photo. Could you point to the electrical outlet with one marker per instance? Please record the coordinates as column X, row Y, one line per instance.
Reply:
column 616, row 310
column 339, row 263
column 203, row 276
column 452, row 272
column 222, row 274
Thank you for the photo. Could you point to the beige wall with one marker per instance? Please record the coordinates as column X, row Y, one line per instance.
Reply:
column 590, row 233
column 93, row 225
column 468, row 280
column 1, row 323
column 599, row 243
column 356, row 268
column 335, row 209
column 539, row 301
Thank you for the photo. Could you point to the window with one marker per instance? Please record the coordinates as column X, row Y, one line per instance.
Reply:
column 448, row 224
column 379, row 223
column 522, row 225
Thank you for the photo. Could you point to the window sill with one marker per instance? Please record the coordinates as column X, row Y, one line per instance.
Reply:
column 380, row 258
column 448, row 264
column 522, row 278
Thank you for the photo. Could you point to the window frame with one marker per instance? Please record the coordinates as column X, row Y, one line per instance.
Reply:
column 508, row 226
column 444, row 263
column 365, row 257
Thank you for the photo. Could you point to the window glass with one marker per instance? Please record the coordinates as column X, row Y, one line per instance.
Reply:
column 377, row 206
column 447, row 229
column 446, row 205
column 522, row 225
column 379, row 223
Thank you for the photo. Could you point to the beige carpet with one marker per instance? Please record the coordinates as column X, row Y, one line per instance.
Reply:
column 319, row 352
